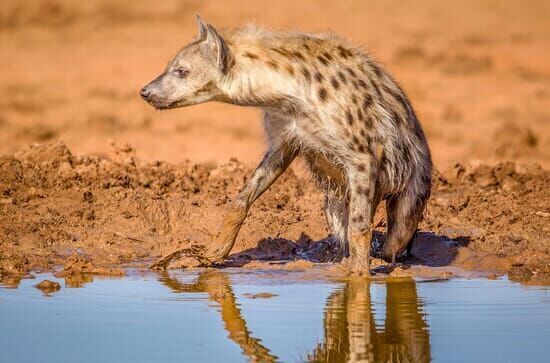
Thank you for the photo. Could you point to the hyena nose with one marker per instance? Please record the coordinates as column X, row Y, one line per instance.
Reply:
column 145, row 93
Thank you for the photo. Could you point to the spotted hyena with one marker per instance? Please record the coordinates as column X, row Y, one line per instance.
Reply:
column 326, row 101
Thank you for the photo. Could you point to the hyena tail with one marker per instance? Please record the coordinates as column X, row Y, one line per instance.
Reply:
column 404, row 212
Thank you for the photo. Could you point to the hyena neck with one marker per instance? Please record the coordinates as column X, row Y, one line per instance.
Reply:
column 256, row 84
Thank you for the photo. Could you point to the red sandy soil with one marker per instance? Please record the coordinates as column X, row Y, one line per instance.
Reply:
column 476, row 72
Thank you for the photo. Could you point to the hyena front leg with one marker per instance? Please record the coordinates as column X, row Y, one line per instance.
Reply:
column 362, row 205
column 336, row 212
column 274, row 163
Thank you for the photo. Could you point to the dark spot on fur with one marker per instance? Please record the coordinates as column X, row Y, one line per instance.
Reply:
column 327, row 56
column 368, row 121
column 359, row 114
column 361, row 167
column 318, row 77
column 280, row 51
column 349, row 117
column 250, row 55
column 343, row 52
column 362, row 83
column 342, row 77
column 361, row 148
column 367, row 101
column 355, row 140
column 334, row 83
column 323, row 94
column 368, row 139
column 322, row 59
column 306, row 47
column 306, row 74
column 354, row 98
column 377, row 70
column 298, row 55
column 377, row 89
column 289, row 69
column 273, row 64
column 351, row 72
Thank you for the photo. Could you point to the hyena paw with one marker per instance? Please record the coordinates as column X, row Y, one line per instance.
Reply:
column 187, row 257
column 356, row 267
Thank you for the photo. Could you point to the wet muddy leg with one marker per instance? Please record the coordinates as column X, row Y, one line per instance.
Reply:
column 274, row 163
column 362, row 191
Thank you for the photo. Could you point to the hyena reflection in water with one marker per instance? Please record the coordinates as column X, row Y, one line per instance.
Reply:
column 350, row 332
column 326, row 101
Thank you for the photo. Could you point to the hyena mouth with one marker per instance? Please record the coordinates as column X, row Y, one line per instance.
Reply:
column 163, row 105
column 174, row 104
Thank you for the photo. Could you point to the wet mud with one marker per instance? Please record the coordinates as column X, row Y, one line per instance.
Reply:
column 98, row 215
column 77, row 199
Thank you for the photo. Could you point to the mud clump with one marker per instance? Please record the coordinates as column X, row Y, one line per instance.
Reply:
column 496, row 214
column 47, row 286
column 119, row 212
column 100, row 214
column 260, row 295
column 76, row 265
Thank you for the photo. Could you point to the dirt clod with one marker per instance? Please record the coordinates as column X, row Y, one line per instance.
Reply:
column 48, row 286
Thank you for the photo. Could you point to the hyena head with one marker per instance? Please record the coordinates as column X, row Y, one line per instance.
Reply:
column 192, row 77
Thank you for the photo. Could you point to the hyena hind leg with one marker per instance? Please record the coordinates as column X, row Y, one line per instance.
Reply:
column 404, row 212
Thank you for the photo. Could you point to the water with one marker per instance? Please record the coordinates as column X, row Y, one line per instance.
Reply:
column 215, row 316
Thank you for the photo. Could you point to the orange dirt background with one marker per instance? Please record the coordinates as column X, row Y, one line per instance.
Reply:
column 477, row 73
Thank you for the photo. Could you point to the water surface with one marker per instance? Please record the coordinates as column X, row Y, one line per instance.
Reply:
column 236, row 316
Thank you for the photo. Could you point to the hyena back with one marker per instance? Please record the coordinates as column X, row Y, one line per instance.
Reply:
column 323, row 100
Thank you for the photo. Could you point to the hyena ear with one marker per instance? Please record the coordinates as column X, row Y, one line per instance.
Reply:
column 203, row 28
column 225, row 59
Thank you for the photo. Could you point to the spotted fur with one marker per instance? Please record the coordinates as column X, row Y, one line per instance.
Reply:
column 329, row 102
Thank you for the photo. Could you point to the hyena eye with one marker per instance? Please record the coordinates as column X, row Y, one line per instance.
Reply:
column 181, row 72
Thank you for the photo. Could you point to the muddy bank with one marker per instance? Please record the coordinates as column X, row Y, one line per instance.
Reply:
column 98, row 214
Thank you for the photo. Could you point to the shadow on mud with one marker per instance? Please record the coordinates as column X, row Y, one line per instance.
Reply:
column 350, row 330
column 427, row 248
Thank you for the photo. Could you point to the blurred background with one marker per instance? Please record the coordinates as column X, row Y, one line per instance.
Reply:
column 477, row 72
